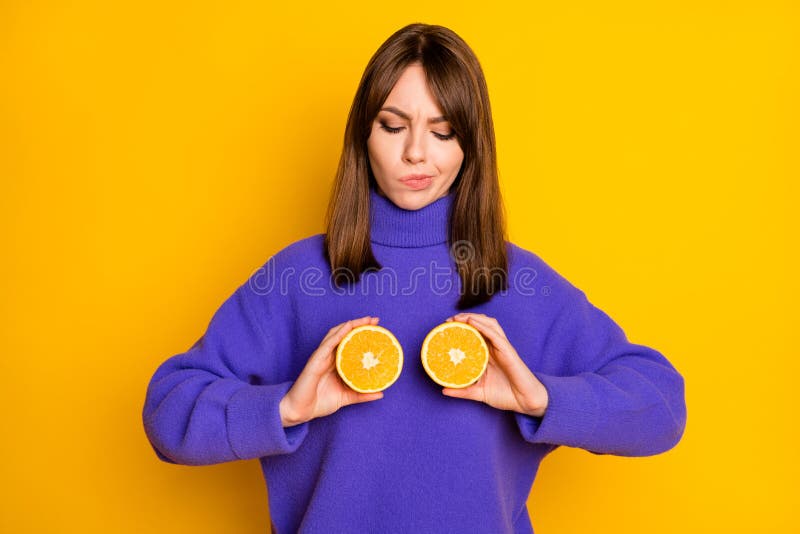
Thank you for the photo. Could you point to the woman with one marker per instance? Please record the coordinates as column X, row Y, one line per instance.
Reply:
column 415, row 236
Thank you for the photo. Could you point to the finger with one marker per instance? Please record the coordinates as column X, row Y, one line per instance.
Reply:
column 506, row 361
column 359, row 322
column 485, row 319
column 486, row 326
column 372, row 320
column 366, row 397
column 471, row 393
column 461, row 317
column 505, row 354
column 346, row 326
column 330, row 343
column 325, row 352
column 362, row 320
column 465, row 316
column 490, row 330
column 354, row 397
column 333, row 332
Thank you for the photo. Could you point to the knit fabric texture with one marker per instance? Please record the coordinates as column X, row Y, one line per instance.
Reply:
column 415, row 460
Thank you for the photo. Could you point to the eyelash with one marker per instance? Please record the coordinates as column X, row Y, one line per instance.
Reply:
column 391, row 130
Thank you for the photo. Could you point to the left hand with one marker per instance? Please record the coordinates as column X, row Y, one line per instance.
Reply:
column 507, row 383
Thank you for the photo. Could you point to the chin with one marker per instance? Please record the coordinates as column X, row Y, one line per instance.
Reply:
column 413, row 200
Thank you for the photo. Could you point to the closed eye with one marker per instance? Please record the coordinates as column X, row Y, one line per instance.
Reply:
column 391, row 130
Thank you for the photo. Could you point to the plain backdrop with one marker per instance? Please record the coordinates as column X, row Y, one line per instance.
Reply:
column 153, row 154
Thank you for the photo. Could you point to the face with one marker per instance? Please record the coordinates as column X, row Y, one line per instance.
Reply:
column 410, row 137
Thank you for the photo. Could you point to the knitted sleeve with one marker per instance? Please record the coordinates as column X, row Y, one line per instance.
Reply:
column 215, row 402
column 610, row 396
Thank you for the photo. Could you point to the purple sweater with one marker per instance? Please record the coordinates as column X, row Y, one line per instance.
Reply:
column 415, row 460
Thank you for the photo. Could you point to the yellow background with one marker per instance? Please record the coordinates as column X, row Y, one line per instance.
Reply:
column 153, row 154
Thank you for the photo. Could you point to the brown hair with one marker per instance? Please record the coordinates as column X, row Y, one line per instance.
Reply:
column 477, row 233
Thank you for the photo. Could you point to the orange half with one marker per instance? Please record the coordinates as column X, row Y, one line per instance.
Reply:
column 454, row 354
column 369, row 358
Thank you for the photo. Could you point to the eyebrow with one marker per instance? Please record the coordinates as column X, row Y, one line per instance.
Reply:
column 405, row 115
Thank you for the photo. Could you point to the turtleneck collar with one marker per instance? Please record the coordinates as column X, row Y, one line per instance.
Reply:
column 397, row 227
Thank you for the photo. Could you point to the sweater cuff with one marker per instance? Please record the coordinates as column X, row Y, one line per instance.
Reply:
column 254, row 422
column 571, row 415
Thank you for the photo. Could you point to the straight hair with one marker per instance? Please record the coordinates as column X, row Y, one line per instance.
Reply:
column 477, row 230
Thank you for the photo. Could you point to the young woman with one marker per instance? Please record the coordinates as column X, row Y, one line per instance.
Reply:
column 415, row 236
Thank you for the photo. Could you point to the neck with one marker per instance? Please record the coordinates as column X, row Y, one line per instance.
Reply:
column 393, row 226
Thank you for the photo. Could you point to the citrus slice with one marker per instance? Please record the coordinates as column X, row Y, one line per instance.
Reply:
column 454, row 354
column 369, row 358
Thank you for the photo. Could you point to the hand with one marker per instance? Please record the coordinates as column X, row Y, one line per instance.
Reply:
column 507, row 383
column 319, row 390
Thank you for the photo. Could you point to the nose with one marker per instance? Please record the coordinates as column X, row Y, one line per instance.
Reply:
column 415, row 147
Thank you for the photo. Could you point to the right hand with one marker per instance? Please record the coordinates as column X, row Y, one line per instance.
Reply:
column 319, row 390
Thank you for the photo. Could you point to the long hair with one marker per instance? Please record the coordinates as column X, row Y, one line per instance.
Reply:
column 477, row 232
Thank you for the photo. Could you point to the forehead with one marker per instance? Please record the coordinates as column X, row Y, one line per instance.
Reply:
column 411, row 94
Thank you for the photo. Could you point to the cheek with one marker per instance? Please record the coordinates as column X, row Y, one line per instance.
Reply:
column 380, row 150
column 452, row 156
column 372, row 151
column 377, row 157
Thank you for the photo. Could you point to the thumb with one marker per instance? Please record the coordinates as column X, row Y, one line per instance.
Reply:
column 354, row 397
column 471, row 393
